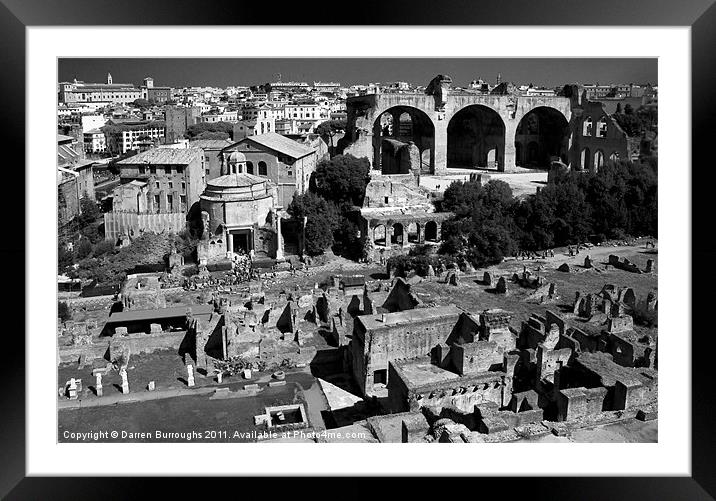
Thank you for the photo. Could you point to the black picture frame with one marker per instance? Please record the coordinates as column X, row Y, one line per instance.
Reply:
column 700, row 15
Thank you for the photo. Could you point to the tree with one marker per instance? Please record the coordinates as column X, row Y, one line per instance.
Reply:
column 142, row 103
column 329, row 128
column 64, row 312
column 342, row 179
column 196, row 129
column 628, row 109
column 212, row 135
column 318, row 215
column 619, row 108
column 89, row 211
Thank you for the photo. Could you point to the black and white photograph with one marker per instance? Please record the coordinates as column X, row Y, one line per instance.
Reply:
column 358, row 250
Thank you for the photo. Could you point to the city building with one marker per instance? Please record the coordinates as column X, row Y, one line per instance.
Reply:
column 157, row 189
column 285, row 162
column 212, row 155
column 81, row 92
column 159, row 95
column 239, row 215
column 178, row 119
column 125, row 135
column 75, row 178
column 94, row 141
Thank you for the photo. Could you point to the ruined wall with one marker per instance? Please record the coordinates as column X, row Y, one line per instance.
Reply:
column 577, row 403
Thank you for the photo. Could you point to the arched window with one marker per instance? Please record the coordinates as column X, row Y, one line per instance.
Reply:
column 614, row 156
column 585, row 159
column 413, row 233
column 598, row 160
column 602, row 127
column 263, row 170
column 379, row 235
column 397, row 237
column 431, row 231
column 587, row 126
column 249, row 167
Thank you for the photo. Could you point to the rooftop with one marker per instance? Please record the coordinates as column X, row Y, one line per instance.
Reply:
column 281, row 144
column 209, row 144
column 371, row 322
column 175, row 311
column 164, row 156
column 236, row 181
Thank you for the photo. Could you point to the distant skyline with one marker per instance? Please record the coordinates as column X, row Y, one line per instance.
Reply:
column 212, row 72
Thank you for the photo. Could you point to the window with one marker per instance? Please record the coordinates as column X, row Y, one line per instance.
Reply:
column 171, row 185
column 207, row 172
column 249, row 167
column 142, row 170
column 263, row 170
column 602, row 127
column 380, row 376
column 152, row 170
column 290, row 173
column 170, row 202
column 182, row 200
column 156, row 203
column 587, row 127
column 183, row 186
column 156, row 185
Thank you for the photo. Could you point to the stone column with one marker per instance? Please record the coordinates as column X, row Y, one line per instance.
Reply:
column 421, row 232
column 508, row 159
column 125, row 382
column 190, row 376
column 229, row 242
column 279, row 238
column 439, row 153
column 388, row 234
column 98, row 384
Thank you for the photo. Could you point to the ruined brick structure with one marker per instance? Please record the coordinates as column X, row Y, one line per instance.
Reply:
column 429, row 132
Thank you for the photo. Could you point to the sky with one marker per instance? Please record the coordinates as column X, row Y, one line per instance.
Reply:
column 185, row 72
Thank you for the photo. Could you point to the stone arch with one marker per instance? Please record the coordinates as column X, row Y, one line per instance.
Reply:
column 548, row 129
column 379, row 235
column 397, row 236
column 393, row 130
column 413, row 233
column 585, row 160
column 472, row 133
column 431, row 231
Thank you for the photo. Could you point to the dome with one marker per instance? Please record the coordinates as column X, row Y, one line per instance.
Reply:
column 236, row 180
column 236, row 187
column 236, row 157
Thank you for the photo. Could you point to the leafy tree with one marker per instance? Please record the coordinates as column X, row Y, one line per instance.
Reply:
column 89, row 211
column 619, row 108
column 64, row 312
column 83, row 248
column 342, row 179
column 142, row 103
column 319, row 216
column 628, row 109
column 196, row 129
column 329, row 128
column 212, row 135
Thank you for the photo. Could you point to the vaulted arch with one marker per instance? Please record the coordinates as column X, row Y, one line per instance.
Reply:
column 403, row 141
column 542, row 136
column 476, row 139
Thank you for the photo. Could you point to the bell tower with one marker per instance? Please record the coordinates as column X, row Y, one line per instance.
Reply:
column 109, row 79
